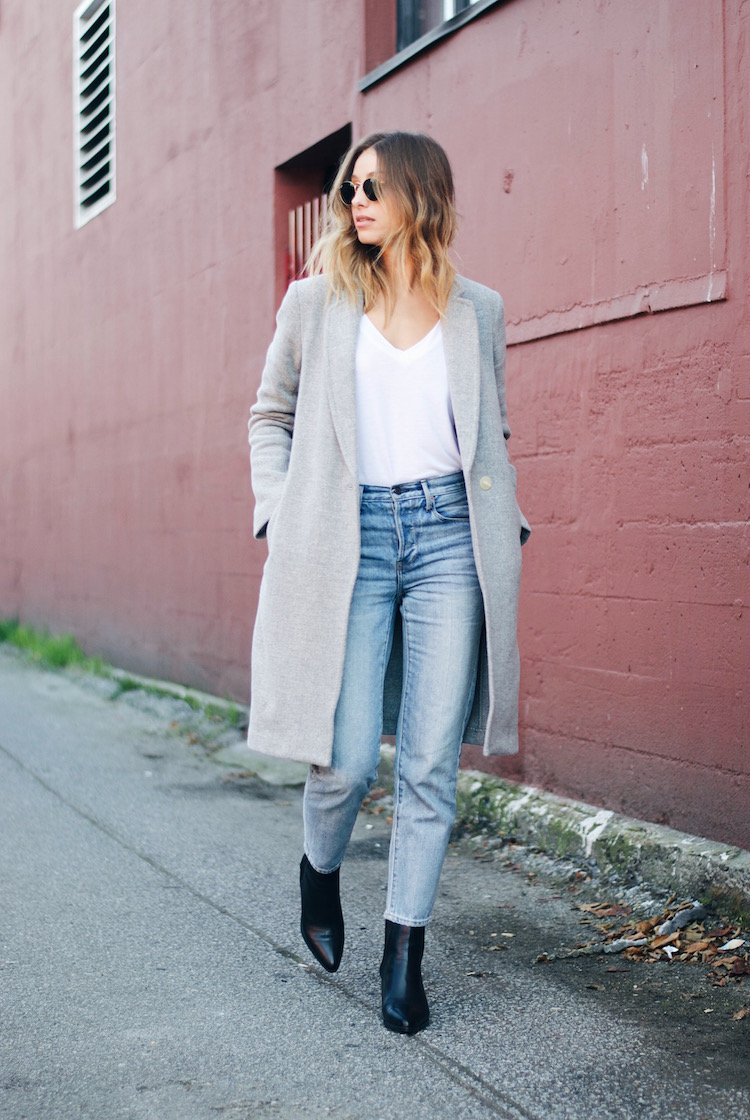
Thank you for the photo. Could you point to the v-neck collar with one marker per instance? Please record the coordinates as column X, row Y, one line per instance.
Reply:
column 411, row 351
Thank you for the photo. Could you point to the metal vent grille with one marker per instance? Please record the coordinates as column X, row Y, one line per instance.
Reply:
column 94, row 107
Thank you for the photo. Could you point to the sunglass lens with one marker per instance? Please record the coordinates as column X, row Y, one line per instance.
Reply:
column 348, row 191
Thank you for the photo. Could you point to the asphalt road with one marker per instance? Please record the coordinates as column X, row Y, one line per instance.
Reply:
column 151, row 964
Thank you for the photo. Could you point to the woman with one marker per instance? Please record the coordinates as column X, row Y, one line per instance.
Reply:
column 383, row 485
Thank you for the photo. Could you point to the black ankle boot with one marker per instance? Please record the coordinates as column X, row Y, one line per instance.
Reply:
column 405, row 1007
column 322, row 923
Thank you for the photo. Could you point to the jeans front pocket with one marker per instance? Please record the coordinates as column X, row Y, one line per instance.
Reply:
column 451, row 505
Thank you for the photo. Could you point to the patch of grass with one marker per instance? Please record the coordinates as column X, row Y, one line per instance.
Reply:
column 62, row 651
column 233, row 715
column 229, row 714
column 126, row 684
column 8, row 627
column 55, row 651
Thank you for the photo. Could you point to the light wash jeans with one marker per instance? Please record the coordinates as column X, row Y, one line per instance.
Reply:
column 416, row 558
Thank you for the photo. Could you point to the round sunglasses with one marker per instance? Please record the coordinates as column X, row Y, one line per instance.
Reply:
column 348, row 191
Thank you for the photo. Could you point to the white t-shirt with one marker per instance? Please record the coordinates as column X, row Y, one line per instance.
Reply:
column 405, row 427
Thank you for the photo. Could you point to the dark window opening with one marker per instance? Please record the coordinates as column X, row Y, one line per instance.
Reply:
column 300, row 197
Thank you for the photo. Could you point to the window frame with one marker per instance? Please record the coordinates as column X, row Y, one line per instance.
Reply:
column 425, row 42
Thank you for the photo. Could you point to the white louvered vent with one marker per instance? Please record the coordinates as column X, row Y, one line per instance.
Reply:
column 305, row 225
column 93, row 107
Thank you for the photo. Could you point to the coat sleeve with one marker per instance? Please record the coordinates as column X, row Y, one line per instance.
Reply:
column 498, row 337
column 271, row 423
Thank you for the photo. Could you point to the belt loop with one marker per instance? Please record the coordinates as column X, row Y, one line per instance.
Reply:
column 361, row 493
column 427, row 495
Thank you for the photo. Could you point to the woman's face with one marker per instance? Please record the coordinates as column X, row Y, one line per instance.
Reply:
column 373, row 221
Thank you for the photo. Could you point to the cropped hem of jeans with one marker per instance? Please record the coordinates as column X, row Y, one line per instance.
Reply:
column 319, row 871
column 414, row 923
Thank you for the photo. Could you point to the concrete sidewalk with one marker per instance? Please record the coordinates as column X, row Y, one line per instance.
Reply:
column 151, row 966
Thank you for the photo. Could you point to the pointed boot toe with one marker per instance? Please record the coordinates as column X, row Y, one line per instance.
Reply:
column 321, row 923
column 405, row 1007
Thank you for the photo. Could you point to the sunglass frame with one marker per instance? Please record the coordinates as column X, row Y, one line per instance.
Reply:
column 348, row 191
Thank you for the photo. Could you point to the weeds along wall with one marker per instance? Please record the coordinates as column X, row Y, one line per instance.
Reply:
column 601, row 159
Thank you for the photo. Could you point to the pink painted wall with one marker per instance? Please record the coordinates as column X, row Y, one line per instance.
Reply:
column 601, row 154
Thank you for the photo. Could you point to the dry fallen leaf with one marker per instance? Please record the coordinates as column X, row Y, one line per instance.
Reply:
column 665, row 939
column 697, row 947
column 735, row 943
column 604, row 909
column 742, row 1013
column 648, row 925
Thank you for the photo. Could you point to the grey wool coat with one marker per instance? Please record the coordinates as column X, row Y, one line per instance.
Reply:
column 304, row 476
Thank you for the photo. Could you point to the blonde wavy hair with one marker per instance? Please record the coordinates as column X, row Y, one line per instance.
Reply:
column 414, row 178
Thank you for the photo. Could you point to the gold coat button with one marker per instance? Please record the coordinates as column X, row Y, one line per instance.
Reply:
column 485, row 482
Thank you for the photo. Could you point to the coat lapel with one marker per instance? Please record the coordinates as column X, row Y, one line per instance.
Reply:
column 342, row 329
column 462, row 357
